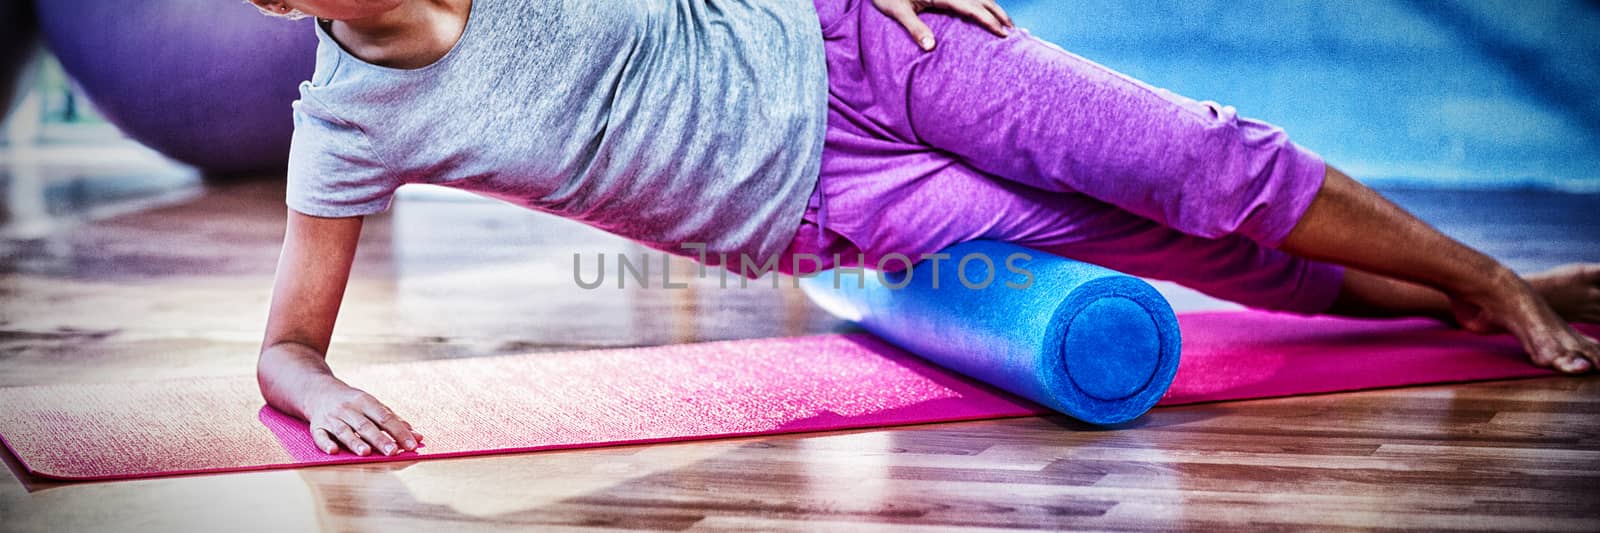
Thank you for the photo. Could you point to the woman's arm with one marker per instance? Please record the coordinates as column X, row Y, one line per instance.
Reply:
column 292, row 371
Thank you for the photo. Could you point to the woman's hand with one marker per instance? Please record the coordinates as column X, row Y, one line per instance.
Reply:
column 296, row 380
column 985, row 12
column 341, row 415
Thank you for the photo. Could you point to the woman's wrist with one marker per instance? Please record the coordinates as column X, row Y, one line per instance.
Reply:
column 290, row 375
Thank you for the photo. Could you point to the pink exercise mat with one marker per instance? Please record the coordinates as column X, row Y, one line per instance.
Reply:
column 690, row 391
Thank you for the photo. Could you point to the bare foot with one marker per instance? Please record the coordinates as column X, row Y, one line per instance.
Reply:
column 1573, row 291
column 1508, row 303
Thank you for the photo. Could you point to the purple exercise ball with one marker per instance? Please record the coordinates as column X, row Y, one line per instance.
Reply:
column 205, row 82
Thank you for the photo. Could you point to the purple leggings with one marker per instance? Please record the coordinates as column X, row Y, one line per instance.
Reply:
column 1017, row 140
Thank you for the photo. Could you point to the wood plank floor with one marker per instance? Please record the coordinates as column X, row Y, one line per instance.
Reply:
column 181, row 291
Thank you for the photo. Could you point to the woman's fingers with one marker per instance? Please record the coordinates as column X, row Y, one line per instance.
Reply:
column 985, row 12
column 345, row 435
column 391, row 423
column 324, row 441
column 999, row 13
column 978, row 11
column 902, row 11
column 369, row 431
column 371, row 428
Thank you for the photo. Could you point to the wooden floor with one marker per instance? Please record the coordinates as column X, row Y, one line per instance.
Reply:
column 181, row 291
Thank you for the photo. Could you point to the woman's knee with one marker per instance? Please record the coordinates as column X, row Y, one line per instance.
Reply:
column 1253, row 181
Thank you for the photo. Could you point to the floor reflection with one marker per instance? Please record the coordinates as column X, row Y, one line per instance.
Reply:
column 498, row 485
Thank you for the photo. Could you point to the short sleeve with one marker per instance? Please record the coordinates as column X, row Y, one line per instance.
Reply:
column 333, row 170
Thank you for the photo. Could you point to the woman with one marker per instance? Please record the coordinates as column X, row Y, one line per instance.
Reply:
column 734, row 130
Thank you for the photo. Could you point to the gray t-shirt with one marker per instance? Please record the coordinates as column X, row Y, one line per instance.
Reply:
column 663, row 121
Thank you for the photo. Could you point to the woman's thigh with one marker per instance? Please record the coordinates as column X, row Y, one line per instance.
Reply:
column 1023, row 109
column 903, row 174
column 941, row 205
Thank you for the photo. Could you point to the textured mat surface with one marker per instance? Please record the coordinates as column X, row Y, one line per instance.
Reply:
column 605, row 397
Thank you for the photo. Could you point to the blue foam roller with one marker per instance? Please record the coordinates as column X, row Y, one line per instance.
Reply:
column 1090, row 342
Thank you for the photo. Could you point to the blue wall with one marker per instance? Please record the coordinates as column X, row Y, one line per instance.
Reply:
column 1487, row 94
